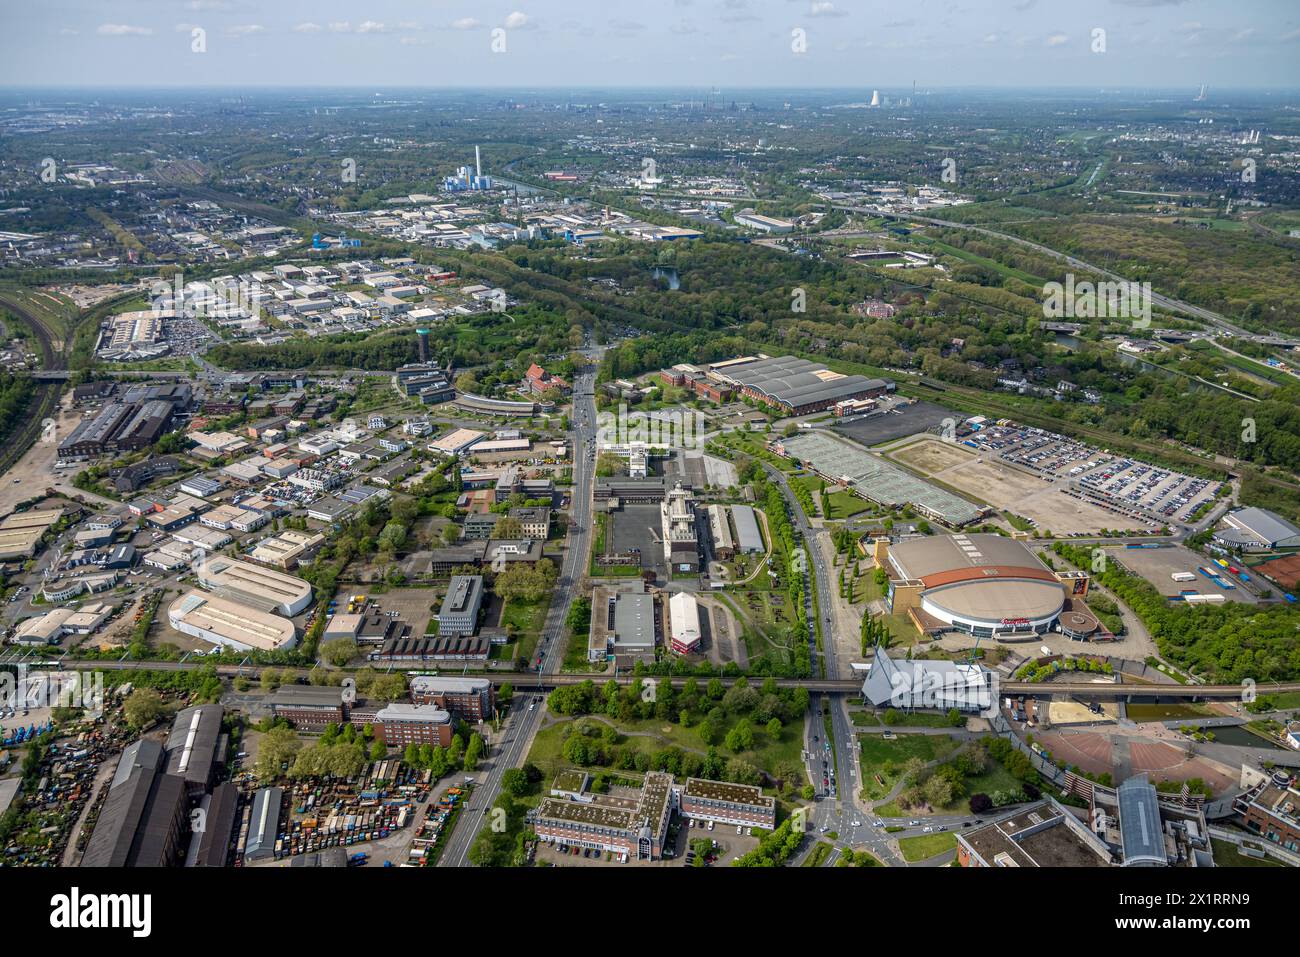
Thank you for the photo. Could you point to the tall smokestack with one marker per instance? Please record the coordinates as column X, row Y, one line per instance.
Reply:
column 422, row 335
column 478, row 166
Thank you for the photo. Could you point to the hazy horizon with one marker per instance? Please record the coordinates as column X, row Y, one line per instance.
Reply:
column 733, row 44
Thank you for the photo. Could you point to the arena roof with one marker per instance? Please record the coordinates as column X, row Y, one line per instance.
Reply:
column 985, row 577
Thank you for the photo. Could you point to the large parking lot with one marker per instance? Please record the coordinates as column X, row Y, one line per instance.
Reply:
column 899, row 421
column 639, row 527
column 1135, row 489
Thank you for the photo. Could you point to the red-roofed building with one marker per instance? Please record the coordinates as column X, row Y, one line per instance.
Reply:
column 539, row 380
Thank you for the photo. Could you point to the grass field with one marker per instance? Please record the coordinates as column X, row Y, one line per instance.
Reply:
column 883, row 759
column 1227, row 855
column 925, row 846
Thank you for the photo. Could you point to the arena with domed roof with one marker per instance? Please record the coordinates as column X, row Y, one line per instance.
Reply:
column 987, row 585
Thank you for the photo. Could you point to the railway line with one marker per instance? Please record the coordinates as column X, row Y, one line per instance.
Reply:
column 46, row 398
column 1101, row 690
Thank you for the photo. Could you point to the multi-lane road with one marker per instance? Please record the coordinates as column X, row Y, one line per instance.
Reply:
column 511, row 748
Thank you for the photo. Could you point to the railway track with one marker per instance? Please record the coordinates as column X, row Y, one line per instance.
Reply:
column 46, row 399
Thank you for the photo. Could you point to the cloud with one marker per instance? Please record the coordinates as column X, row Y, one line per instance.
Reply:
column 517, row 21
column 1243, row 35
column 990, row 38
column 1288, row 37
column 308, row 28
column 626, row 26
column 340, row 26
column 466, row 23
column 372, row 26
column 122, row 30
column 245, row 29
column 1057, row 39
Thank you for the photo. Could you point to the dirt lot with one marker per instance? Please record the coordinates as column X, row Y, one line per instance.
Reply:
column 34, row 471
column 1004, row 487
column 929, row 456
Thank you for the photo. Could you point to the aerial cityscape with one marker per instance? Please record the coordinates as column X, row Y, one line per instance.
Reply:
column 887, row 458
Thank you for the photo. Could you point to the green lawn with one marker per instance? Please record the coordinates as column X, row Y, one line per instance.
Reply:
column 883, row 760
column 527, row 620
column 846, row 505
column 925, row 846
column 1227, row 855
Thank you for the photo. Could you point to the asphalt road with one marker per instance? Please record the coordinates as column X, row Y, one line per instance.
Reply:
column 517, row 734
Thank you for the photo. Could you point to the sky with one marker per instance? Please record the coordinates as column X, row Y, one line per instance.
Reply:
column 728, row 44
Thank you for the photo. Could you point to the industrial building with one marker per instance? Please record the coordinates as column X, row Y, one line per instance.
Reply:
column 986, row 585
column 850, row 465
column 308, row 707
column 262, row 588
column 624, row 623
column 144, row 820
column 749, row 539
column 681, row 540
column 263, row 824
column 684, row 623
column 21, row 532
column 723, row 545
column 228, row 623
column 795, row 386
column 196, row 747
column 287, row 549
column 118, row 427
column 1256, row 529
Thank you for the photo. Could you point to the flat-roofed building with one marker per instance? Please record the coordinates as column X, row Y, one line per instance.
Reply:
column 262, row 588
column 470, row 699
column 21, row 532
column 535, row 521
column 635, row 825
column 225, row 622
column 1045, row 834
column 287, row 549
column 741, row 804
column 624, row 623
column 458, row 614
column 456, row 442
column 308, row 707
column 398, row 725
column 207, row 539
